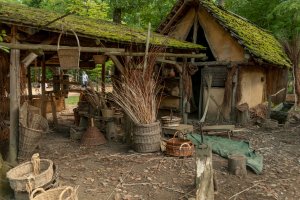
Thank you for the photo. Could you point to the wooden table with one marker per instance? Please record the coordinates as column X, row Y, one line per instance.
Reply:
column 210, row 130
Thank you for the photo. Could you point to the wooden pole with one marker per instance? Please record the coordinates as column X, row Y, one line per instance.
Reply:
column 103, row 78
column 184, row 96
column 204, row 173
column 44, row 100
column 29, row 83
column 14, row 74
column 147, row 48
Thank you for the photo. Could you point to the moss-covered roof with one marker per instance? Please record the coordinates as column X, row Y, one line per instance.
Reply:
column 98, row 29
column 258, row 42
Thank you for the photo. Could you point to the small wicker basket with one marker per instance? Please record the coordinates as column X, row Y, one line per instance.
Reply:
column 179, row 147
column 60, row 193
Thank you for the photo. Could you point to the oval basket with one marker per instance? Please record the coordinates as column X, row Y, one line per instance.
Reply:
column 179, row 147
column 23, row 174
column 60, row 193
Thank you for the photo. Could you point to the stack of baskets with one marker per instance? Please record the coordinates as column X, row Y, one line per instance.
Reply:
column 32, row 128
column 37, row 173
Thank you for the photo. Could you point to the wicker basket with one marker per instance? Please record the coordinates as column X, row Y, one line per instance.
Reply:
column 23, row 174
column 169, row 121
column 28, row 141
column 146, row 137
column 99, row 59
column 179, row 147
column 68, row 57
column 60, row 193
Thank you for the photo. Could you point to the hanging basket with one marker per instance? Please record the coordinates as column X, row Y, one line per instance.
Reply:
column 68, row 57
column 99, row 59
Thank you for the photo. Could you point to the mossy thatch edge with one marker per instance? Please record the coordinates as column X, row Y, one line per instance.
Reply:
column 256, row 41
column 99, row 29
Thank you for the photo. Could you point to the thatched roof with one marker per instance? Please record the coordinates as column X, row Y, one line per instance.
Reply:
column 261, row 44
column 86, row 27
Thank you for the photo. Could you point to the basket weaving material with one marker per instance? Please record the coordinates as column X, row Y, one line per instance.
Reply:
column 179, row 147
column 60, row 193
column 146, row 137
column 23, row 174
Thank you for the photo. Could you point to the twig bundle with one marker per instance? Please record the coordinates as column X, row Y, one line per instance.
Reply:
column 94, row 98
column 137, row 91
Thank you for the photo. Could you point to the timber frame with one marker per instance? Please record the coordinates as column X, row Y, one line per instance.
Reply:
column 32, row 36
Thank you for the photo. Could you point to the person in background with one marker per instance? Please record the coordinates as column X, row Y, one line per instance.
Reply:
column 85, row 79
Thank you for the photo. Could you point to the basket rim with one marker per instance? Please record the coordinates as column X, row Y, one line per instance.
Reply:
column 11, row 171
column 147, row 125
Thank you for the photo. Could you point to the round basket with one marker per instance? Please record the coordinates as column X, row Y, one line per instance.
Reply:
column 146, row 137
column 170, row 121
column 23, row 174
column 60, row 193
column 179, row 147
column 99, row 59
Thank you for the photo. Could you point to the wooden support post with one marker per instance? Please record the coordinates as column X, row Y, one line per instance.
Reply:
column 44, row 99
column 14, row 75
column 29, row 85
column 204, row 173
column 184, row 95
column 103, row 79
column 53, row 108
column 237, row 165
column 234, row 90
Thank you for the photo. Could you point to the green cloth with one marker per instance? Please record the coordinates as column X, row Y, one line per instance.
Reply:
column 225, row 147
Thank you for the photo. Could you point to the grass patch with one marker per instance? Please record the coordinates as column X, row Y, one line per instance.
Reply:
column 72, row 100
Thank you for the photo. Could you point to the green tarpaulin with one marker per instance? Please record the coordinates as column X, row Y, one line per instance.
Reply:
column 225, row 147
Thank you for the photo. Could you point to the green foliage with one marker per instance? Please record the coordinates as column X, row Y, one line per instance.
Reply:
column 2, row 35
column 285, row 19
column 95, row 74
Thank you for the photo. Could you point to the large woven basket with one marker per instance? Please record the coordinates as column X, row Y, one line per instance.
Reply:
column 29, row 140
column 146, row 137
column 60, row 193
column 93, row 136
column 179, row 147
column 68, row 57
column 22, row 175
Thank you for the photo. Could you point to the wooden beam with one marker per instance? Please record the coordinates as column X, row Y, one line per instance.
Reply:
column 222, row 63
column 44, row 101
column 54, row 48
column 103, row 78
column 14, row 76
column 106, row 51
column 117, row 63
column 176, row 64
column 29, row 86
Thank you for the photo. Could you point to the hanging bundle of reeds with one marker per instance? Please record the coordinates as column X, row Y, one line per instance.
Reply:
column 137, row 90
column 96, row 99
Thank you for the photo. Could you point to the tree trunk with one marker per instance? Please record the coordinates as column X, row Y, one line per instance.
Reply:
column 117, row 15
column 297, row 83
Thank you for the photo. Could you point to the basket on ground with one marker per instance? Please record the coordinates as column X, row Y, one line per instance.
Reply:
column 23, row 174
column 60, row 193
column 179, row 147
column 146, row 137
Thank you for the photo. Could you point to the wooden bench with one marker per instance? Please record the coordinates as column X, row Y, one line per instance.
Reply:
column 211, row 130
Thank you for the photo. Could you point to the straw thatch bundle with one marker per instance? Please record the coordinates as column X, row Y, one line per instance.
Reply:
column 137, row 90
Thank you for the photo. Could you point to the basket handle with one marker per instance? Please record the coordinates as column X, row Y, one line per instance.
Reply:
column 41, row 190
column 176, row 133
column 185, row 144
column 58, row 42
column 64, row 191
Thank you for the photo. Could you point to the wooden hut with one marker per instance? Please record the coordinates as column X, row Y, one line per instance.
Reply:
column 247, row 63
column 32, row 35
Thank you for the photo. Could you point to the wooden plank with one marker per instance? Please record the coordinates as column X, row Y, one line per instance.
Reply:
column 218, row 128
column 44, row 101
column 117, row 63
column 29, row 83
column 14, row 74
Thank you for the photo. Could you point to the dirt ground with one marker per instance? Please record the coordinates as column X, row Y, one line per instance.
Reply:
column 114, row 171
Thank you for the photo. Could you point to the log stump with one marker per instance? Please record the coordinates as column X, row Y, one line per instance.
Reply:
column 237, row 165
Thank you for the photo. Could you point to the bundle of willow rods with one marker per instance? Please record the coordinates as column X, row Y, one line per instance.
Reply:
column 94, row 98
column 137, row 91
